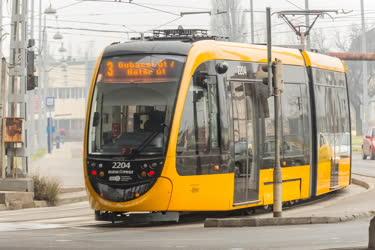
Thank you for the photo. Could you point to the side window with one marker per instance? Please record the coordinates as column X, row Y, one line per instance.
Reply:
column 332, row 112
column 199, row 144
column 295, row 118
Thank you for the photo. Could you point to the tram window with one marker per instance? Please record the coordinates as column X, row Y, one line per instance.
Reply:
column 199, row 148
column 332, row 112
column 295, row 117
column 296, row 134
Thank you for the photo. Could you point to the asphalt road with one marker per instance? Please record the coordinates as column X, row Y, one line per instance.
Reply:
column 363, row 167
column 190, row 236
column 72, row 227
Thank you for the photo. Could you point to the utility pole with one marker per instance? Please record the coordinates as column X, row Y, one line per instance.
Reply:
column 2, row 94
column 31, row 94
column 307, row 21
column 252, row 21
column 2, row 112
column 364, row 72
column 41, row 116
column 1, row 28
column 277, row 171
column 17, row 83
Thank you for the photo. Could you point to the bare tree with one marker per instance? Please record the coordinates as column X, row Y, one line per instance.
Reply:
column 319, row 41
column 351, row 41
column 231, row 22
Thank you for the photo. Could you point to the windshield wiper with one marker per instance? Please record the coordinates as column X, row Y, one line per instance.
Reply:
column 144, row 144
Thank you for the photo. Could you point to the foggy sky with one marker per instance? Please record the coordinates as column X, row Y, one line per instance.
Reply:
column 129, row 17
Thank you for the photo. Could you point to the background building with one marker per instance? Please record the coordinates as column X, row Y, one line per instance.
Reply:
column 68, row 83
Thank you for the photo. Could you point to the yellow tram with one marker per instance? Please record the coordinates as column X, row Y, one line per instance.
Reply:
column 183, row 125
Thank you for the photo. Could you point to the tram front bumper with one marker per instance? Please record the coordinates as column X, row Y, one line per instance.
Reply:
column 156, row 199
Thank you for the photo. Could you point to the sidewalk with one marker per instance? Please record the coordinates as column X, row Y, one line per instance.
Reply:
column 354, row 202
column 64, row 163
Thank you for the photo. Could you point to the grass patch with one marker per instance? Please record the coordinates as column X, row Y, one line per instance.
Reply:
column 46, row 189
column 39, row 154
column 357, row 143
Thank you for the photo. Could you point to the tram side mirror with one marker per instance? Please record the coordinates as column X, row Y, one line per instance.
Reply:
column 221, row 68
column 95, row 120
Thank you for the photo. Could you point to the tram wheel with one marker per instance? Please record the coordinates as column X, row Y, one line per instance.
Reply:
column 248, row 211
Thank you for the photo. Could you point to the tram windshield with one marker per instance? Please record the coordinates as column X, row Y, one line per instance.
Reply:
column 133, row 104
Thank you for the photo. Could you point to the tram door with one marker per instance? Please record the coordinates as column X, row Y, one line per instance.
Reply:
column 245, row 147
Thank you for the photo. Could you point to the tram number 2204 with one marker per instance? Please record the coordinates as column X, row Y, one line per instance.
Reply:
column 120, row 165
column 241, row 70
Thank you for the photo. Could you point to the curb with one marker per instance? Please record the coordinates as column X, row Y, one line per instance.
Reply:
column 283, row 221
column 70, row 200
column 361, row 183
column 72, row 190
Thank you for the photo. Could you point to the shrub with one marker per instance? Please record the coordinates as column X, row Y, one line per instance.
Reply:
column 47, row 189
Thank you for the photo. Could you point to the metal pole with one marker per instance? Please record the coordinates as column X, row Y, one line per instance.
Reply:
column 307, row 21
column 2, row 114
column 2, row 94
column 230, row 27
column 41, row 116
column 269, row 49
column 277, row 174
column 31, row 94
column 1, row 28
column 17, row 105
column 364, row 72
column 45, row 88
column 252, row 20
column 303, row 40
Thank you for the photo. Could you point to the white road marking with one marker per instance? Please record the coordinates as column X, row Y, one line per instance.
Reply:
column 6, row 227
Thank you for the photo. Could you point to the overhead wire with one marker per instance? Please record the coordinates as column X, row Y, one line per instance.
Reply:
column 295, row 5
column 169, row 22
column 90, row 29
column 139, row 5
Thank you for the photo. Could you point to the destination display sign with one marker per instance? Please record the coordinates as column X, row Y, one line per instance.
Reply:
column 139, row 69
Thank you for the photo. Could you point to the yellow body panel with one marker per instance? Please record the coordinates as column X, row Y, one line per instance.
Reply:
column 344, row 172
column 320, row 61
column 296, row 184
column 173, row 192
column 324, row 177
column 324, row 169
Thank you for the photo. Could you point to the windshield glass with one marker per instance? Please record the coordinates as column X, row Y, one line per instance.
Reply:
column 133, row 104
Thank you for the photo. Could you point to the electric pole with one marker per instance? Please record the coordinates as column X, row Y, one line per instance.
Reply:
column 364, row 72
column 274, row 88
column 30, row 97
column 1, row 28
column 17, row 106
column 307, row 21
column 252, row 21
column 2, row 93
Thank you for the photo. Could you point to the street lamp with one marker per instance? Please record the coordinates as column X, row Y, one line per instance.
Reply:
column 49, row 10
column 62, row 49
column 58, row 36
column 43, row 73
